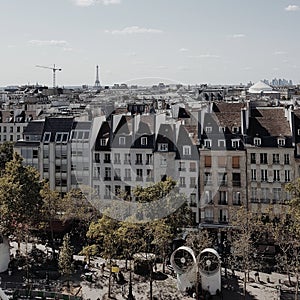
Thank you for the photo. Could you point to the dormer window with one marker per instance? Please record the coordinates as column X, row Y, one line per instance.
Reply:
column 162, row 147
column 208, row 129
column 122, row 140
column 144, row 141
column 103, row 142
column 221, row 129
column 235, row 129
column 47, row 136
column 298, row 131
column 207, row 144
column 221, row 143
column 257, row 141
column 281, row 142
column 61, row 137
column 187, row 150
column 235, row 143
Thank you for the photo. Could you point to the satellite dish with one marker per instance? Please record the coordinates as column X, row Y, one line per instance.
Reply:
column 183, row 260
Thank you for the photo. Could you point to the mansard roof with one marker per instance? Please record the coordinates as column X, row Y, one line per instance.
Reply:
column 269, row 121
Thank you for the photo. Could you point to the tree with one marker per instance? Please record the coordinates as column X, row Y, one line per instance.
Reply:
column 246, row 232
column 6, row 155
column 199, row 240
column 65, row 261
column 51, row 211
column 20, row 199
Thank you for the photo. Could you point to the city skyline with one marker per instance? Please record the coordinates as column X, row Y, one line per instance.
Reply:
column 171, row 41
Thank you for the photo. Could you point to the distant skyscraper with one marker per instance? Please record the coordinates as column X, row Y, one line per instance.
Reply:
column 97, row 81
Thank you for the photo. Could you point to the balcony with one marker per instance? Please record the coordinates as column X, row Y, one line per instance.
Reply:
column 139, row 178
column 127, row 178
column 265, row 201
column 107, row 178
column 181, row 169
column 223, row 221
column 193, row 204
column 222, row 182
column 107, row 161
column 207, row 182
column 117, row 162
column 192, row 169
column 237, row 203
column 138, row 162
column 149, row 179
column 223, row 202
column 149, row 162
column 208, row 220
column 127, row 162
column 254, row 200
column 236, row 183
column 117, row 178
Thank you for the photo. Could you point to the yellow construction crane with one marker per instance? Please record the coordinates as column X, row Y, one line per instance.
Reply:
column 54, row 69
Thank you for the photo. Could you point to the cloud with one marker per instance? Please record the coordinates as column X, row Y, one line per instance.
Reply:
column 134, row 30
column 183, row 50
column 85, row 3
column 237, row 35
column 292, row 8
column 55, row 43
column 207, row 55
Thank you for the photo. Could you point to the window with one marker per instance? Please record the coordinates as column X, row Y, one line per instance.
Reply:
column 122, row 140
column 253, row 174
column 107, row 192
column 35, row 153
column 139, row 159
column 97, row 157
column 209, row 215
column 257, row 141
column 263, row 158
column 208, row 197
column 235, row 129
column 236, row 179
column 18, row 129
column 276, row 158
column 265, row 195
column 163, row 147
column 79, row 135
column 253, row 158
column 182, row 181
column 221, row 143
column 207, row 161
column 222, row 178
column 207, row 178
column 193, row 202
column 222, row 161
column 192, row 167
column 96, row 171
column 187, row 150
column 235, row 162
column 235, row 143
column 103, row 142
column 127, row 174
column 207, row 143
column 281, row 142
column 149, row 175
column 107, row 175
column 61, row 137
column 139, row 174
column 287, row 175
column 117, row 174
column 276, row 176
column 144, row 141
column 253, row 194
column 276, row 194
column 222, row 197
column 286, row 159
column 149, row 159
column 117, row 190
column 193, row 182
column 208, row 129
column 106, row 157
column 65, row 137
column 47, row 136
column 221, row 129
column 127, row 158
column 264, row 175
column 117, row 158
column 236, row 198
column 181, row 166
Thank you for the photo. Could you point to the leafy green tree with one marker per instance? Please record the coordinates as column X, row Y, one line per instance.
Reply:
column 6, row 155
column 65, row 261
column 247, row 229
column 199, row 240
column 20, row 199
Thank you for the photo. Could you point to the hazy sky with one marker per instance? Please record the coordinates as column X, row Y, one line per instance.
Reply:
column 186, row 41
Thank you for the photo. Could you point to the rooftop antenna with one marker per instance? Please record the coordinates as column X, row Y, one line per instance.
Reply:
column 54, row 69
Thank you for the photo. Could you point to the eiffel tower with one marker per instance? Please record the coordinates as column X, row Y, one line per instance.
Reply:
column 97, row 82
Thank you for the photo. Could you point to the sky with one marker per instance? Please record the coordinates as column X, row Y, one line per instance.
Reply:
column 149, row 41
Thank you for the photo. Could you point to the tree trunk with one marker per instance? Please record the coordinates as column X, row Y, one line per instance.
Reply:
column 151, row 273
column 109, row 280
column 245, row 283
column 297, row 286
